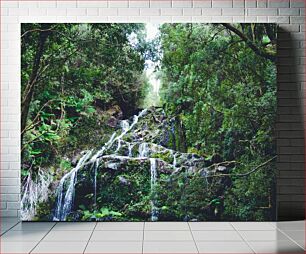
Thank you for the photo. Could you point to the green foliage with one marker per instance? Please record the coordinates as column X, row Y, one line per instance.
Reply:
column 225, row 94
column 85, row 70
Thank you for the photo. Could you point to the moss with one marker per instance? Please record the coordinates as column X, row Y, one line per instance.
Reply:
column 166, row 156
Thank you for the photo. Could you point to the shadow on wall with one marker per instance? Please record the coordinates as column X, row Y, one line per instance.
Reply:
column 290, row 130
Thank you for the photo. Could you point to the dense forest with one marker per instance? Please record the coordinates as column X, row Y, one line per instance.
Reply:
column 102, row 141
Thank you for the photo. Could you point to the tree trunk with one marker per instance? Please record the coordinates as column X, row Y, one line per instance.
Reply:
column 29, row 90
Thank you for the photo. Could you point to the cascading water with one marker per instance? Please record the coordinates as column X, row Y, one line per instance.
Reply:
column 65, row 197
column 34, row 192
column 143, row 150
column 153, row 169
column 115, row 154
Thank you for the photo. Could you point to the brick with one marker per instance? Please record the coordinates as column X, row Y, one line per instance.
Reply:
column 160, row 3
column 13, row 205
column 92, row 11
column 10, row 173
column 92, row 4
column 128, row 11
column 108, row 11
column 56, row 12
column 179, row 3
column 278, row 3
column 76, row 12
column 66, row 4
column 262, row 12
column 28, row 4
column 172, row 12
column 47, row 4
column 222, row 3
column 9, row 213
column 297, row 20
column 289, row 11
column 160, row 19
column 250, row 3
column 9, row 197
column 233, row 11
column 38, row 12
column 139, row 4
column 18, row 12
column 279, row 20
column 9, row 4
column 222, row 19
column 262, row 3
column 182, row 19
column 238, row 4
column 118, row 4
column 150, row 12
column 211, row 12
column 192, row 12
column 297, row 3
column 203, row 19
column 2, row 205
column 202, row 3
column 138, row 19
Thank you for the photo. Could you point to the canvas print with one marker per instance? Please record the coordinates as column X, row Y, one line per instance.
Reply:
column 148, row 122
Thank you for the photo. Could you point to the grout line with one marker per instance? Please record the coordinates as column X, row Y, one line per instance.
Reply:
column 42, row 238
column 90, row 237
column 290, row 238
column 247, row 243
column 193, row 238
column 143, row 232
column 10, row 228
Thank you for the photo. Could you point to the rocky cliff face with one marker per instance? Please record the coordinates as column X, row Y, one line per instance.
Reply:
column 139, row 176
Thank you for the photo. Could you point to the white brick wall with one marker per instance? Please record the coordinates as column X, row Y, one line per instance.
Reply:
column 291, row 67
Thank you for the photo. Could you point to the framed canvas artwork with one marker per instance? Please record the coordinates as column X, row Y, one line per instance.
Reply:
column 148, row 122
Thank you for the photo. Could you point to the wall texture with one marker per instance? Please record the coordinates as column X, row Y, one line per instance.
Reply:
column 289, row 14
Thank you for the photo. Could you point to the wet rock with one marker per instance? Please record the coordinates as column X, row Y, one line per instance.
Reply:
column 123, row 180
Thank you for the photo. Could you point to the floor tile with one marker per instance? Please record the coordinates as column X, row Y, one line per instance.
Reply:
column 5, row 226
column 253, row 226
column 114, row 247
column 106, row 236
column 33, row 226
column 69, row 236
column 169, row 247
column 120, row 226
column 22, row 236
column 17, row 247
column 216, row 236
column 60, row 247
column 211, row 226
column 223, row 247
column 167, row 236
column 276, row 247
column 290, row 225
column 273, row 235
column 296, row 235
column 166, row 226
column 69, row 226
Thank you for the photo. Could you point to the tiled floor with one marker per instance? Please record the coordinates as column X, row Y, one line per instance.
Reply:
column 156, row 237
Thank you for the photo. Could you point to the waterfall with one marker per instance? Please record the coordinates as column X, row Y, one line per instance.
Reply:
column 118, row 146
column 66, row 187
column 143, row 150
column 130, row 150
column 65, row 198
column 154, row 212
column 34, row 192
column 174, row 160
column 124, row 125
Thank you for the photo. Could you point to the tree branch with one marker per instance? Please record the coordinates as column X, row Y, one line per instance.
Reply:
column 251, row 44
